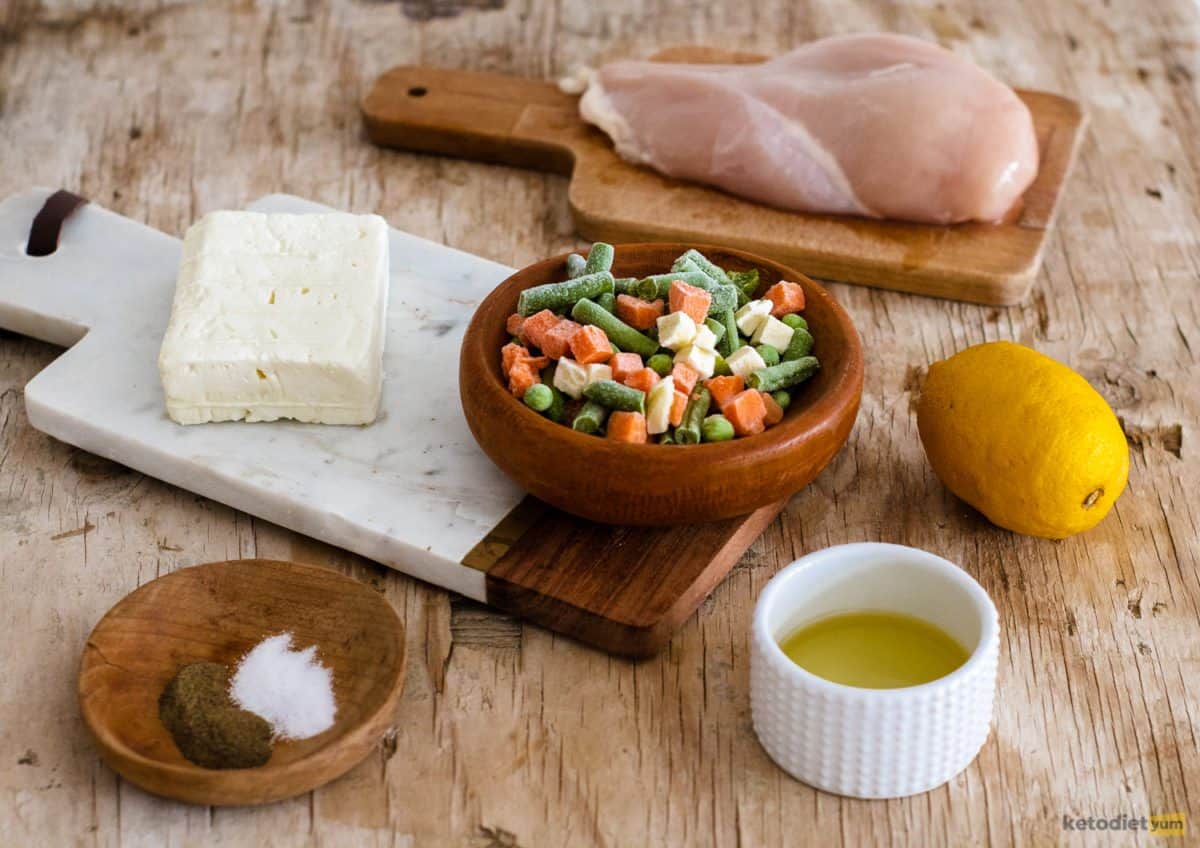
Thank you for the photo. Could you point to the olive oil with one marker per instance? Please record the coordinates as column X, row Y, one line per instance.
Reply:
column 874, row 649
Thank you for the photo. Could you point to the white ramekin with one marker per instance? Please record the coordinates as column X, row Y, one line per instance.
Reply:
column 873, row 743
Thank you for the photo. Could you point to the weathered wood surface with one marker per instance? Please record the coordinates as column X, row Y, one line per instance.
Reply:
column 507, row 734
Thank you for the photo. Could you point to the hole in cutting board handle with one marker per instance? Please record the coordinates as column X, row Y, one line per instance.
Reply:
column 48, row 222
column 418, row 91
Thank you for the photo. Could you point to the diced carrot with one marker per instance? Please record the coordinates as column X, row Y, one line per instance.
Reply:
column 557, row 340
column 746, row 412
column 678, row 404
column 590, row 344
column 627, row 427
column 685, row 377
column 637, row 313
column 511, row 354
column 643, row 380
column 774, row 410
column 690, row 300
column 624, row 364
column 535, row 327
column 724, row 388
column 521, row 378
column 513, row 324
column 786, row 298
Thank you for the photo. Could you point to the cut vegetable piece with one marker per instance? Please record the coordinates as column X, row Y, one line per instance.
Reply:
column 746, row 412
column 702, row 262
column 703, row 360
column 591, row 418
column 607, row 301
column 746, row 282
column 556, row 342
column 563, row 295
column 637, row 313
column 624, row 364
column 619, row 333
column 616, row 396
column 705, row 339
column 538, row 397
column 555, row 411
column 751, row 315
column 589, row 344
column 688, row 431
column 770, row 356
column 659, row 285
column 685, row 377
column 796, row 322
column 625, row 285
column 729, row 341
column 570, row 378
column 658, row 406
column 676, row 330
column 599, row 258
column 773, row 332
column 660, row 363
column 717, row 328
column 597, row 372
column 510, row 355
column 575, row 265
column 800, row 345
column 643, row 379
column 513, row 324
column 535, row 327
column 745, row 361
column 679, row 402
column 628, row 427
column 785, row 298
column 521, row 378
column 783, row 375
column 723, row 389
column 774, row 410
column 782, row 398
column 691, row 300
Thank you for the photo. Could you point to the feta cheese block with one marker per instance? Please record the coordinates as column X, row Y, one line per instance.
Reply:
column 278, row 316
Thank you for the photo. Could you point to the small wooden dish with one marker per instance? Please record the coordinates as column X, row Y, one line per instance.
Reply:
column 216, row 613
column 662, row 484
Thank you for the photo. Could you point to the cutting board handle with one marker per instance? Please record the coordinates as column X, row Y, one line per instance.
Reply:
column 480, row 116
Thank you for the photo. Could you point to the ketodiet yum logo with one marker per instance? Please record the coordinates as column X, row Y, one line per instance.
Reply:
column 1166, row 824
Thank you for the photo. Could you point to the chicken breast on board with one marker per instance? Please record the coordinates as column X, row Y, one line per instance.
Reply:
column 884, row 126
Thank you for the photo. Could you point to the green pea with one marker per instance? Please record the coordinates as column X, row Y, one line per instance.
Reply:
column 661, row 364
column 538, row 397
column 769, row 354
column 795, row 321
column 716, row 428
column 784, row 399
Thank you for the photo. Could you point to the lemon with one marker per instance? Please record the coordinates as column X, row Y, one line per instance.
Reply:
column 1023, row 439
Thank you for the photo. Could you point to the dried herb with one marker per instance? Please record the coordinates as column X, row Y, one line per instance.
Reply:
column 208, row 727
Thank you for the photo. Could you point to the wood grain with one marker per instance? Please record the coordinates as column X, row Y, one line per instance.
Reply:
column 216, row 613
column 507, row 733
column 652, row 484
column 530, row 123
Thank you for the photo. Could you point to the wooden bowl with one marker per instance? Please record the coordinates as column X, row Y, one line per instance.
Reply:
column 653, row 484
column 216, row 613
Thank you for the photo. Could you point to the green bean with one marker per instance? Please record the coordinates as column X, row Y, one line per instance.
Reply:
column 769, row 353
column 538, row 397
column 706, row 266
column 717, row 327
column 666, row 439
column 661, row 364
column 618, row 332
column 784, row 375
column 575, row 265
column 688, row 431
column 782, row 397
column 591, row 418
column 659, row 285
column 607, row 301
column 795, row 321
column 626, row 285
column 801, row 345
column 746, row 281
column 599, row 258
column 716, row 428
column 557, row 406
column 728, row 342
column 563, row 295
column 612, row 394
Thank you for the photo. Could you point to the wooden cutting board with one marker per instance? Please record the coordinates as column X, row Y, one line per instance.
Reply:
column 412, row 491
column 532, row 124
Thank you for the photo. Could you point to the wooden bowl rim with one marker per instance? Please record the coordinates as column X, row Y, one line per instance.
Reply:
column 789, row 433
column 317, row 762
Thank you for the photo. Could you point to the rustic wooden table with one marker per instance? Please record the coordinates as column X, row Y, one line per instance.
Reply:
column 507, row 734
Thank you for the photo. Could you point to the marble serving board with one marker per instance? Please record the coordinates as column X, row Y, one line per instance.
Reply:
column 412, row 490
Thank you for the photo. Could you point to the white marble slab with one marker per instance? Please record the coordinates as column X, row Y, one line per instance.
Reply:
column 412, row 490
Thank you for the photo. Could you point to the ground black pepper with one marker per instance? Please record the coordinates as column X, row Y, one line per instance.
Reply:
column 208, row 727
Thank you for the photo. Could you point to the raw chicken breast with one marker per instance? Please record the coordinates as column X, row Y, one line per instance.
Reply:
column 884, row 126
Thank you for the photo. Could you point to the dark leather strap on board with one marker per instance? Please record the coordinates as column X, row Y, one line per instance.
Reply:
column 47, row 224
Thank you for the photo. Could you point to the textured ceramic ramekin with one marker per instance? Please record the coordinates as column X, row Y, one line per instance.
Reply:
column 873, row 743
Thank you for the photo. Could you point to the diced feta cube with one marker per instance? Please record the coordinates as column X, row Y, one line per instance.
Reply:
column 658, row 406
column 705, row 338
column 676, row 330
column 774, row 333
column 745, row 361
column 751, row 315
column 570, row 377
column 704, row 361
column 598, row 371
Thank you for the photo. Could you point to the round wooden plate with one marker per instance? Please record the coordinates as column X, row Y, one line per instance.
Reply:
column 652, row 484
column 216, row 613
